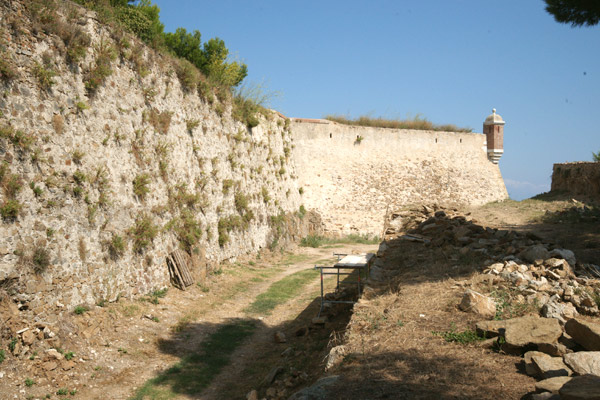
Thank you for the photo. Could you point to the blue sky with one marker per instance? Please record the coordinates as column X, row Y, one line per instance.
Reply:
column 449, row 61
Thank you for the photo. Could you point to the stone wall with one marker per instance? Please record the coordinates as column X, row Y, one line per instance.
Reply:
column 352, row 175
column 577, row 178
column 80, row 157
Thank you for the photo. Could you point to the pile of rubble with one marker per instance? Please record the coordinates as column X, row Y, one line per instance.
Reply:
column 540, row 273
column 565, row 359
column 560, row 347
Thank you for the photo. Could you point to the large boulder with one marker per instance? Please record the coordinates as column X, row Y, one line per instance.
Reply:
column 585, row 387
column 586, row 333
column 477, row 303
column 550, row 367
column 584, row 362
column 320, row 390
column 552, row 385
column 565, row 254
column 532, row 253
column 528, row 331
column 561, row 311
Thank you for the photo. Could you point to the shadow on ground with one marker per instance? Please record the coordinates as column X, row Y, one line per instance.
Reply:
column 242, row 353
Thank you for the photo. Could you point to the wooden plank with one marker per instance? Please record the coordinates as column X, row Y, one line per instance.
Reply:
column 177, row 274
column 182, row 266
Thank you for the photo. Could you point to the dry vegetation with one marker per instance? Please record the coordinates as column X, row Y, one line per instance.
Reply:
column 417, row 123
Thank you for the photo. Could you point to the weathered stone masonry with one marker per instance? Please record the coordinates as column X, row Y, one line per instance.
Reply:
column 352, row 175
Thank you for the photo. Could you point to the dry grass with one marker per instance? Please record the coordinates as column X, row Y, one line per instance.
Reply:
column 417, row 123
column 392, row 348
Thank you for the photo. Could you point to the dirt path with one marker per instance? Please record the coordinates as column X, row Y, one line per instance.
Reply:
column 131, row 349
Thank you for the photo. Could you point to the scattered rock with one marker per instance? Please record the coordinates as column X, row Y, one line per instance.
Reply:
column 28, row 338
column 477, row 303
column 565, row 254
column 318, row 391
column 335, row 357
column 545, row 396
column 550, row 367
column 585, row 333
column 287, row 352
column 586, row 387
column 54, row 354
column 319, row 320
column 530, row 368
column 271, row 375
column 303, row 331
column 554, row 349
column 532, row 253
column 279, row 337
column 490, row 329
column 552, row 384
column 530, row 330
column 252, row 395
column 584, row 362
column 50, row 365
column 561, row 311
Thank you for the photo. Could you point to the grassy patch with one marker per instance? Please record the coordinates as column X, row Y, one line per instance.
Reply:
column 318, row 241
column 281, row 291
column 465, row 337
column 196, row 371
column 417, row 123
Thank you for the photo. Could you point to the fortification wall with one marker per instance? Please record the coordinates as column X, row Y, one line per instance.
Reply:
column 204, row 181
column 577, row 178
column 353, row 181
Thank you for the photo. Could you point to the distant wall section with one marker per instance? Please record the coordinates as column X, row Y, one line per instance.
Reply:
column 577, row 178
column 351, row 175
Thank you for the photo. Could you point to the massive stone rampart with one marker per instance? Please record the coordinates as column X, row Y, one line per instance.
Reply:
column 352, row 175
column 113, row 181
column 577, row 178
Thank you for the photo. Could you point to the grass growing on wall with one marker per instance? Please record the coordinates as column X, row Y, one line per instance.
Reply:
column 417, row 123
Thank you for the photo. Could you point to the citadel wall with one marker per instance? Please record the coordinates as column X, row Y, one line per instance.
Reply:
column 352, row 175
column 112, row 182
column 577, row 178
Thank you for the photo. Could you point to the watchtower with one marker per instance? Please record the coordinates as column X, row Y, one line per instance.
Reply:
column 493, row 127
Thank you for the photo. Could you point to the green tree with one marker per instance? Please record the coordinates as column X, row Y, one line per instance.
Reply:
column 141, row 19
column 596, row 156
column 575, row 12
column 186, row 45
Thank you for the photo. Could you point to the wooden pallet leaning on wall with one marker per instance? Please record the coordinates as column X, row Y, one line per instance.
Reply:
column 179, row 269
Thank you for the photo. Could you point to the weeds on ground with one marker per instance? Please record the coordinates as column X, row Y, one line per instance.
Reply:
column 453, row 336
column 79, row 310
column 506, row 308
column 281, row 291
column 196, row 371
column 318, row 241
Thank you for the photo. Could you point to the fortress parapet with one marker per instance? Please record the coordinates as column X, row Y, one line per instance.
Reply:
column 493, row 128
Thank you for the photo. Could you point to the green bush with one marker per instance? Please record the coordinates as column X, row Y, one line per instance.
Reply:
column 41, row 259
column 79, row 310
column 44, row 76
column 9, row 210
column 101, row 70
column 227, row 185
column 188, row 230
column 188, row 75
column 8, row 71
column 2, row 356
column 143, row 232
column 228, row 224
column 140, row 186
column 116, row 247
column 17, row 138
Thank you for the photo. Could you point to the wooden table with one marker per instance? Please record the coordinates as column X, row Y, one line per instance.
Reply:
column 355, row 264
